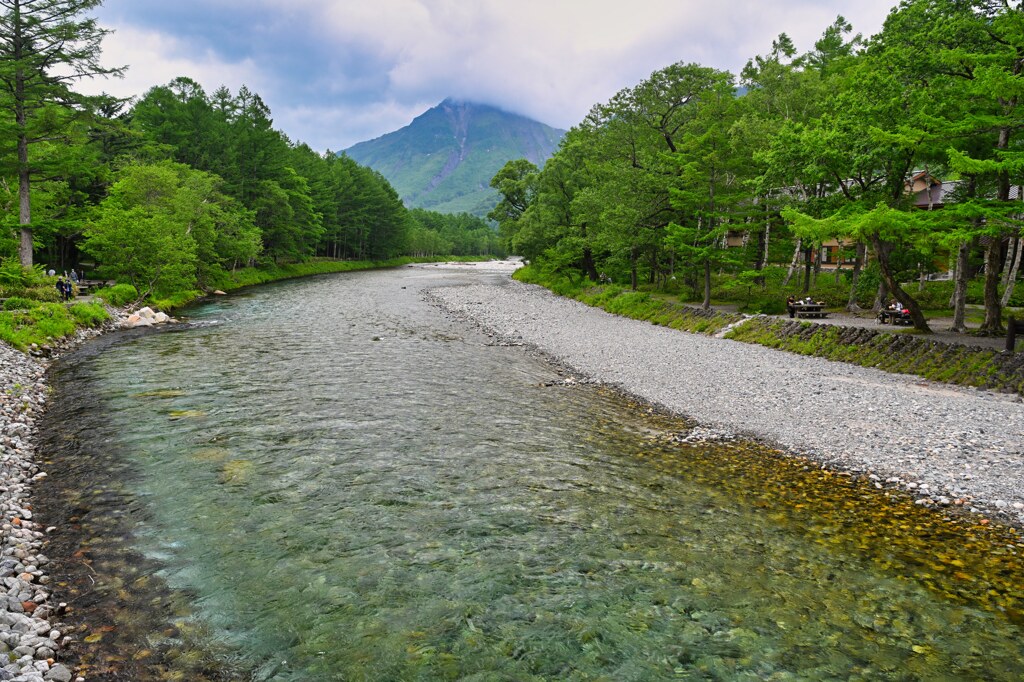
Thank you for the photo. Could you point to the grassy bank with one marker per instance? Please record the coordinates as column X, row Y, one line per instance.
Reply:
column 24, row 322
column 897, row 353
column 659, row 309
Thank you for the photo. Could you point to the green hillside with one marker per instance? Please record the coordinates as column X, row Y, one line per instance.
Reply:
column 444, row 160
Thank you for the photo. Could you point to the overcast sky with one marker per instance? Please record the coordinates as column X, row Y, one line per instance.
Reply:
column 337, row 72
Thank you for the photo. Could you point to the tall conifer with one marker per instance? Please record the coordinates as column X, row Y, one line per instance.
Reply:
column 45, row 46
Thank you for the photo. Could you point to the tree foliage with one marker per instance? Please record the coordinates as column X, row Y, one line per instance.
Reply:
column 45, row 46
column 170, row 193
column 166, row 228
column 684, row 174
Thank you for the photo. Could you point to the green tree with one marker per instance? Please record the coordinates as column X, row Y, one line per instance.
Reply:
column 45, row 46
column 166, row 228
column 711, row 194
column 516, row 183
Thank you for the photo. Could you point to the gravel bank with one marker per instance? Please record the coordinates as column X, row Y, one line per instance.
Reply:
column 29, row 634
column 28, row 641
column 948, row 445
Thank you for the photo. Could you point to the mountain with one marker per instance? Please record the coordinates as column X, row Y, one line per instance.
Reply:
column 444, row 160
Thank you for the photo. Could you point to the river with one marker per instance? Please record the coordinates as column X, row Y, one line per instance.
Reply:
column 328, row 479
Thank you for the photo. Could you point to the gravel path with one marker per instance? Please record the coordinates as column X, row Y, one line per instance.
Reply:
column 940, row 329
column 947, row 444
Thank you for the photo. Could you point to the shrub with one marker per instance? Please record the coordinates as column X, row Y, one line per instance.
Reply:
column 43, row 292
column 935, row 295
column 19, row 303
column 40, row 324
column 14, row 277
column 764, row 306
column 1017, row 298
column 89, row 314
column 118, row 295
column 175, row 300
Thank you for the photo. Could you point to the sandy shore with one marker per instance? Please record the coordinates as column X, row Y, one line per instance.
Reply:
column 947, row 445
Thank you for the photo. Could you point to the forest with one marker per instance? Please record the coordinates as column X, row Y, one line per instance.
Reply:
column 171, row 191
column 857, row 172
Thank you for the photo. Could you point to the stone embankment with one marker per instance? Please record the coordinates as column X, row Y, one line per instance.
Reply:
column 30, row 632
column 945, row 445
column 955, row 363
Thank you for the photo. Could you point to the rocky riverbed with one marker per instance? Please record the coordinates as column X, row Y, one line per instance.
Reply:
column 29, row 638
column 30, row 632
column 947, row 446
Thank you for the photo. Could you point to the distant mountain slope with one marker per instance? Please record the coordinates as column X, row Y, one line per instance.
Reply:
column 444, row 160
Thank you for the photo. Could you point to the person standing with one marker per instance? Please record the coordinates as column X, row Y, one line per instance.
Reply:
column 791, row 307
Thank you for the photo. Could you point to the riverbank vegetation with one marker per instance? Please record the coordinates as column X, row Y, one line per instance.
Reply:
column 180, row 191
column 843, row 173
column 24, row 322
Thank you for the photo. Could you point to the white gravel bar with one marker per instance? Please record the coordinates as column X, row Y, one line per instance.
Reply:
column 946, row 444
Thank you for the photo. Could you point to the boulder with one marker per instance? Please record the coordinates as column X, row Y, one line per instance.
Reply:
column 135, row 320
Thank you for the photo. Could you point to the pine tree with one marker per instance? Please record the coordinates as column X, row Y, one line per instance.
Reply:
column 45, row 46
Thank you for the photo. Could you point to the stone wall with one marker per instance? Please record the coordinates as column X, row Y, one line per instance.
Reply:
column 901, row 353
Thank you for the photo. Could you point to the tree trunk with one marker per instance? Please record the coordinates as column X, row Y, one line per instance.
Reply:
column 1011, row 279
column 807, row 269
column 858, row 263
column 792, row 264
column 993, row 323
column 905, row 299
column 765, row 243
column 959, row 300
column 1011, row 255
column 632, row 271
column 762, row 251
column 591, row 269
column 24, row 205
column 880, row 296
column 706, row 305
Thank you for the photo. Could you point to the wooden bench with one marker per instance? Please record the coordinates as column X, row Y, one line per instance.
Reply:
column 805, row 310
column 888, row 316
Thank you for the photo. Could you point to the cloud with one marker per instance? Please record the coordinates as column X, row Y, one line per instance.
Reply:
column 368, row 120
column 335, row 72
column 156, row 58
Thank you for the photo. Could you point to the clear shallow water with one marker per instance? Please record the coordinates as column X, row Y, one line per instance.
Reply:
column 328, row 480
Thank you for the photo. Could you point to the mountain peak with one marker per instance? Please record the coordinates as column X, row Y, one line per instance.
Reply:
column 444, row 160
